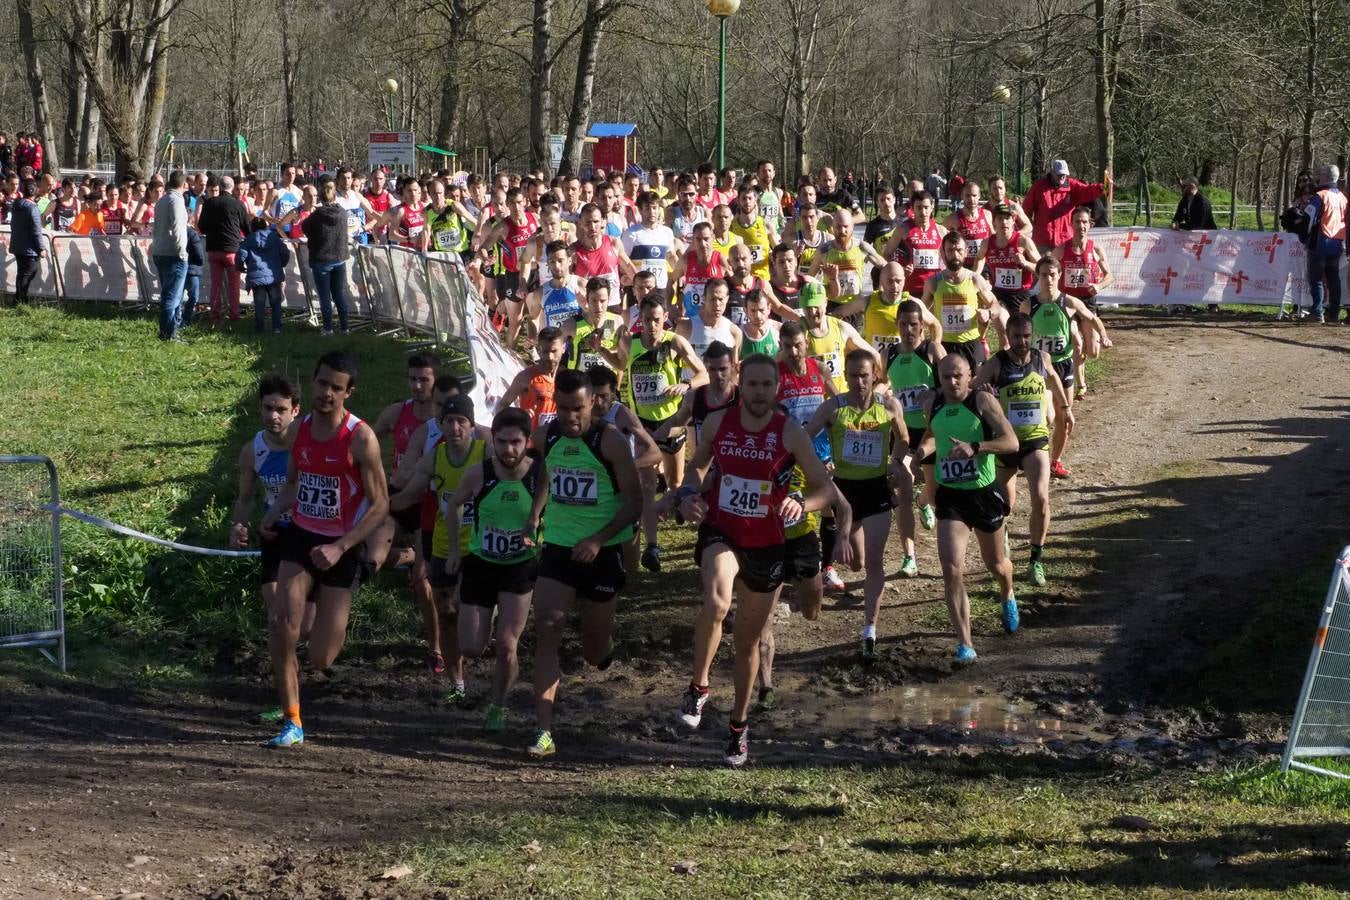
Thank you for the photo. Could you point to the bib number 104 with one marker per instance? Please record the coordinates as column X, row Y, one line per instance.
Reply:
column 958, row 470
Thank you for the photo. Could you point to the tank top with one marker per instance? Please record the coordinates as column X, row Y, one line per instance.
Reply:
column 768, row 345
column 960, row 422
column 756, row 237
column 113, row 218
column 800, row 396
column 269, row 466
column 651, row 372
column 583, row 493
column 956, row 305
column 356, row 215
column 701, row 337
column 879, row 327
column 1051, row 328
column 448, row 234
column 739, row 296
column 702, row 408
column 1079, row 270
column 860, row 440
column 788, row 293
column 404, row 427
column 750, row 475
column 1024, row 396
column 500, row 511
column 379, row 202
column 612, row 417
column 537, row 400
column 807, row 248
column 414, row 221
column 771, row 208
column 516, row 237
column 850, row 263
column 724, row 247
column 924, row 249
column 828, row 351
column 65, row 213
column 684, row 225
column 560, row 302
column 697, row 274
column 1005, row 266
column 598, row 262
column 580, row 358
column 976, row 231
column 445, row 480
column 330, row 499
column 911, row 374
column 648, row 249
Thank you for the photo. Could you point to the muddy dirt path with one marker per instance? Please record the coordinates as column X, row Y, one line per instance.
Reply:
column 1206, row 458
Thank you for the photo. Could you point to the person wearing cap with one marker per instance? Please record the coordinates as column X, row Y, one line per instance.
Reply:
column 829, row 339
column 1051, row 201
column 452, row 446
column 1325, row 240
column 1193, row 210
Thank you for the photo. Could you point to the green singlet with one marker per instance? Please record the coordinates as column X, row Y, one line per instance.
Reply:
column 860, row 440
column 650, row 373
column 960, row 422
column 582, row 491
column 501, row 510
column 768, row 345
column 1051, row 329
column 911, row 375
column 1024, row 395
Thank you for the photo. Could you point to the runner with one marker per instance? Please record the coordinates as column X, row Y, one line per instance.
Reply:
column 336, row 484
column 965, row 431
column 284, row 198
column 533, row 385
column 759, row 334
column 511, row 231
column 595, row 253
column 912, row 372
column 534, row 257
column 499, row 571
column 868, row 441
column 406, row 224
column 755, row 233
column 918, row 245
column 736, row 490
column 685, row 213
column 1084, row 274
column 1026, row 382
column 770, row 197
column 454, row 449
column 723, row 238
column 809, row 238
column 962, row 302
column 998, row 196
column 711, row 325
column 650, row 362
column 447, row 221
column 843, row 259
column 974, row 223
column 1009, row 257
column 593, row 500
column 696, row 266
column 1054, row 323
column 879, row 309
column 379, row 199
column 829, row 338
column 555, row 303
column 720, row 392
column 594, row 328
column 572, row 203
column 707, row 194
column 648, row 243
column 360, row 214
column 881, row 227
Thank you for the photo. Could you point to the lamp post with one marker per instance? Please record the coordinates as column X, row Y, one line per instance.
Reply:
column 390, row 89
column 1021, row 57
column 1001, row 95
column 723, row 10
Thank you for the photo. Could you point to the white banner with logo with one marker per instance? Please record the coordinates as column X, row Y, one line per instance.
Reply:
column 1160, row 266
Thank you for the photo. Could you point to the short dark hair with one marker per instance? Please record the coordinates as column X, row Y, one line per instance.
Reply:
column 858, row 354
column 511, row 417
column 279, row 385
column 716, row 350
column 602, row 376
column 570, row 381
column 548, row 336
column 554, row 246
column 177, row 179
column 449, row 382
column 257, row 223
column 339, row 361
column 909, row 306
column 1019, row 319
column 920, row 195
column 422, row 361
column 597, row 283
column 790, row 331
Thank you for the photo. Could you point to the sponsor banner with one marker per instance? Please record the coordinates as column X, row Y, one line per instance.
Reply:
column 494, row 366
column 44, row 285
column 1158, row 266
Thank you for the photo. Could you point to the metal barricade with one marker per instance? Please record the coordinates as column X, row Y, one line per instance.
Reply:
column 32, row 609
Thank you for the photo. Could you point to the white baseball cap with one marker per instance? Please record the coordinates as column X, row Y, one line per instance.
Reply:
column 1059, row 167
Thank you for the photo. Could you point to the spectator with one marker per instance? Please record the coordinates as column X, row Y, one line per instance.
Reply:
column 192, row 287
column 223, row 220
column 89, row 220
column 25, row 240
column 1193, row 209
column 1325, row 239
column 6, row 155
column 326, row 231
column 263, row 256
column 168, row 247
column 1051, row 201
column 935, row 184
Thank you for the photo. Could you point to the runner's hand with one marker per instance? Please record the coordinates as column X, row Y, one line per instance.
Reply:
column 1106, row 341
column 239, row 535
column 267, row 528
column 961, row 450
column 531, row 529
column 325, row 556
column 693, row 509
column 586, row 551
column 843, row 552
column 791, row 509
column 678, row 389
column 452, row 562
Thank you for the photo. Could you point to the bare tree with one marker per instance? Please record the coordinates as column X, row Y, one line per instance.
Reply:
column 37, row 85
column 598, row 13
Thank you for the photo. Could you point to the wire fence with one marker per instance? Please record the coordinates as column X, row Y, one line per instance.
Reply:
column 32, row 611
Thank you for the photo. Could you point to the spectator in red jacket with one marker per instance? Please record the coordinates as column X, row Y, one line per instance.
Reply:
column 1051, row 201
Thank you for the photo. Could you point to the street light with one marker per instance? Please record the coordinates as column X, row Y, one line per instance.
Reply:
column 1001, row 95
column 1022, row 56
column 723, row 10
column 390, row 89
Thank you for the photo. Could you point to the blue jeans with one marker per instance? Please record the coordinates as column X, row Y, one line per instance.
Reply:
column 330, row 280
column 265, row 295
column 172, row 276
column 192, row 292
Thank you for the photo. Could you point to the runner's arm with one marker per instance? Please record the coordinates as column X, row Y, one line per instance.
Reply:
column 1057, row 391
column 854, row 307
column 678, row 420
column 417, row 483
column 243, row 504
column 1022, row 222
column 987, row 298
column 1030, row 255
column 823, row 417
column 820, row 487
column 515, row 389
column 618, row 357
column 1005, row 439
column 1107, row 275
column 737, row 339
column 899, row 432
column 538, row 439
column 469, row 485
column 614, row 449
column 411, row 457
column 365, row 451
column 1086, row 315
column 646, row 453
column 686, row 353
column 986, row 374
column 384, row 422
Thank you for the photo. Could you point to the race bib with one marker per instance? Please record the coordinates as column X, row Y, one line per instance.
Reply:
column 353, row 222
column 972, row 247
column 693, row 297
column 547, row 417
column 573, row 486
column 317, row 496
column 1051, row 344
column 447, row 240
column 1025, row 414
column 112, row 227
column 909, row 398
column 465, row 511
column 414, row 231
column 743, row 497
column 956, row 318
column 956, row 471
column 736, row 314
column 829, row 363
column 862, row 448
column 1007, row 279
column 1076, row 277
column 756, row 253
column 649, row 387
column 802, row 407
column 501, row 544
column 883, row 341
column 850, row 282
column 926, row 258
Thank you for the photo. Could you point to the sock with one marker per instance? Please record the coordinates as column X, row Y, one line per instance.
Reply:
column 1036, row 552
column 829, row 534
column 293, row 713
column 869, row 631
column 459, row 685
column 737, row 727
column 698, row 690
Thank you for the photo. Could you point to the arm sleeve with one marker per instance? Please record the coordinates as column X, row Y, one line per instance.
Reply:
column 1083, row 192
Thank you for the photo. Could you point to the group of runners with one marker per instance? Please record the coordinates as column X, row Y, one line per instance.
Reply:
column 710, row 363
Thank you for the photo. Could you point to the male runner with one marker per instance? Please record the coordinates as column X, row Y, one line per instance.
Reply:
column 585, row 334
column 755, row 233
column 998, row 196
column 533, row 385
column 695, row 267
column 593, row 500
column 1026, row 383
column 966, row 429
column 720, row 392
column 829, row 338
column 868, row 441
column 1084, row 274
column 555, row 302
column 535, row 255
column 686, row 212
column 736, row 489
column 770, row 197
column 499, row 570
column 810, row 239
column 879, row 308
column 912, row 371
column 723, row 238
column 918, row 244
column 511, row 229
column 649, row 243
column 745, row 285
column 711, row 325
column 785, row 279
column 759, row 334
column 596, row 254
column 972, row 220
column 843, row 259
column 962, row 302
column 1010, row 258
column 335, row 482
column 881, row 227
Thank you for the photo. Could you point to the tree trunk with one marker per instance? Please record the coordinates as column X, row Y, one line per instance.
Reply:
column 592, row 31
column 785, row 139
column 89, row 124
column 289, row 65
column 447, row 122
column 1237, row 171
column 1039, row 164
column 541, row 81
column 153, row 111
column 1309, row 84
column 37, row 87
column 1258, row 178
column 76, row 84
column 1106, row 136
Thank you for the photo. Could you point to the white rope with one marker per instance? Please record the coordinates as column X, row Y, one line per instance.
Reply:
column 141, row 535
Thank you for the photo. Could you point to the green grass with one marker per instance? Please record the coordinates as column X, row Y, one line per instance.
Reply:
column 996, row 826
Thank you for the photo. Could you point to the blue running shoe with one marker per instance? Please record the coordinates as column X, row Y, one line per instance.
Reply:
column 292, row 735
column 1011, row 618
column 965, row 655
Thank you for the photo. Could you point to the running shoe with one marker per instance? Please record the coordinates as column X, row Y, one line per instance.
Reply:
column 869, row 650
column 1011, row 617
column 738, row 747
column 965, row 655
column 292, row 735
column 496, row 719
column 1058, row 469
column 927, row 518
column 768, row 699
column 833, row 583
column 909, row 567
column 271, row 716
column 1036, row 573
column 456, row 695
column 543, row 746
column 651, row 558
column 691, row 707
column 435, row 663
